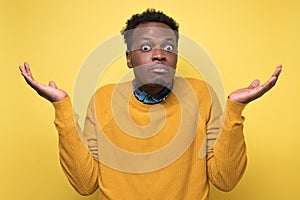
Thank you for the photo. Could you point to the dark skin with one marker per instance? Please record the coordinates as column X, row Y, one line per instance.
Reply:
column 153, row 56
column 153, row 59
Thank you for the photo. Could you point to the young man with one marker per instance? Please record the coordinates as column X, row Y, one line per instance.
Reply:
column 153, row 137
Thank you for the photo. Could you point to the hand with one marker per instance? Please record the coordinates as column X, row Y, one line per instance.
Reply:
column 254, row 91
column 50, row 92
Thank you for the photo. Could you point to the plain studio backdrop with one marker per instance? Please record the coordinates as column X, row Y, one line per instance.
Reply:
column 245, row 40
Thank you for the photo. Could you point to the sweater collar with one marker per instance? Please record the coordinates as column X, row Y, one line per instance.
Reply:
column 146, row 98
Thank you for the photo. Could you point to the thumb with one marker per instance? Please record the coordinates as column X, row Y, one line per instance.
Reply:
column 254, row 84
column 52, row 84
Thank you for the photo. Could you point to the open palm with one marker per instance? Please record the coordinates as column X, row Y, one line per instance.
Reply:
column 49, row 92
column 254, row 91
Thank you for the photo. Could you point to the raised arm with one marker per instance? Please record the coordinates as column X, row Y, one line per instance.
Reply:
column 227, row 161
column 77, row 162
column 49, row 92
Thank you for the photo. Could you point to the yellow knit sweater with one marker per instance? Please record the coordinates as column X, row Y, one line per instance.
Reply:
column 130, row 150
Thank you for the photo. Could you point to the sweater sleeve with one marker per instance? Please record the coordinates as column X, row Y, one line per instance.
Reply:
column 227, row 160
column 76, row 160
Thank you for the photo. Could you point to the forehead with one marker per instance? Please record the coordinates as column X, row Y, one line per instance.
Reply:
column 153, row 30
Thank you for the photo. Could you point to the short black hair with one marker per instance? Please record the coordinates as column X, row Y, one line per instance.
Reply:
column 149, row 15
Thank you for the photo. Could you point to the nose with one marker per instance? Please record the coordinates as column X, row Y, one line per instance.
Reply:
column 158, row 55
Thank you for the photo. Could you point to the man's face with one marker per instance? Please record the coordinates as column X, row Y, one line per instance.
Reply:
column 153, row 55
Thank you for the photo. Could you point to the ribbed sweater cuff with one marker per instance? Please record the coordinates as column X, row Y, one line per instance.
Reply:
column 234, row 109
column 64, row 115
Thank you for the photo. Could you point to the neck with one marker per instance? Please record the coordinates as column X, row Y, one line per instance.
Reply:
column 152, row 89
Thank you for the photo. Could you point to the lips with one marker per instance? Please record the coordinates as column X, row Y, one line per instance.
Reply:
column 159, row 69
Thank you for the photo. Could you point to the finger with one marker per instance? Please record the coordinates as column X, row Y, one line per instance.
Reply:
column 24, row 72
column 30, row 81
column 52, row 84
column 277, row 71
column 267, row 86
column 27, row 68
column 254, row 84
column 34, row 84
column 272, row 81
column 25, row 75
column 22, row 69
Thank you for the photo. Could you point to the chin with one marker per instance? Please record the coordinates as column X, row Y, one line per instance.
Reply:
column 159, row 82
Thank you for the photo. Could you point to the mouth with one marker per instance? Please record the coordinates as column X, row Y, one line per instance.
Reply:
column 159, row 69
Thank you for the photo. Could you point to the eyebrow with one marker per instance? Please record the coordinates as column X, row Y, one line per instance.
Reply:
column 165, row 39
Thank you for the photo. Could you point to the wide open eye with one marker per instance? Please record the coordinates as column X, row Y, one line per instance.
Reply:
column 168, row 48
column 145, row 48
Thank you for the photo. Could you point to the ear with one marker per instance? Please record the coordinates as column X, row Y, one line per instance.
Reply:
column 128, row 58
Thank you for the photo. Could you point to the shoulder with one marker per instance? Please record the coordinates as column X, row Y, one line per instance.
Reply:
column 197, row 85
column 118, row 90
column 111, row 88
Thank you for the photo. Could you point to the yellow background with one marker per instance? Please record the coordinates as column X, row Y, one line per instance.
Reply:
column 245, row 39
